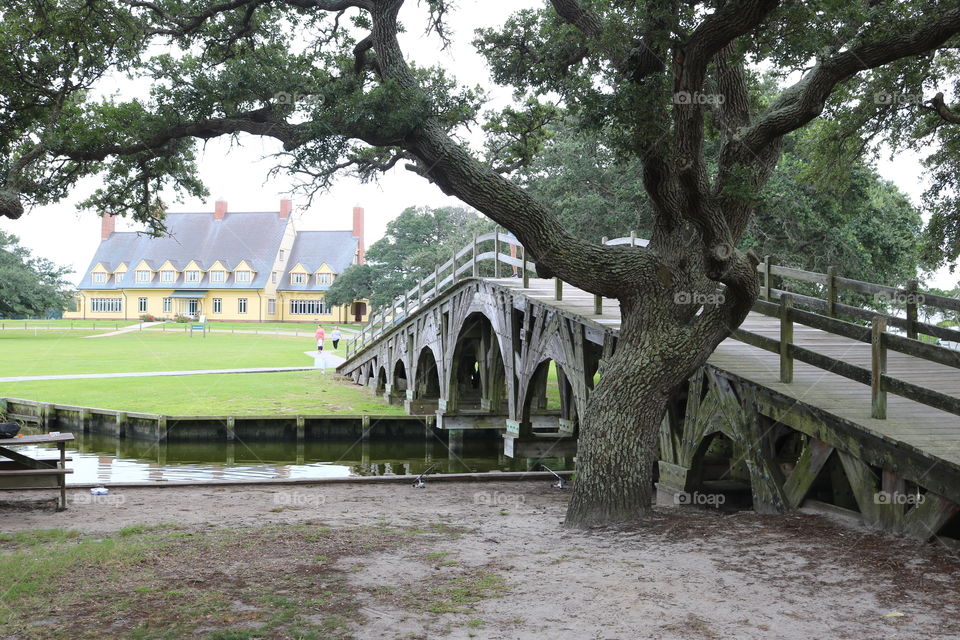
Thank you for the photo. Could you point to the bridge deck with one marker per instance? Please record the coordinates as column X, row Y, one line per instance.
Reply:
column 933, row 432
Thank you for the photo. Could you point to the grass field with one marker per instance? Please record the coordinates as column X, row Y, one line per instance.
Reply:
column 53, row 352
column 288, row 393
column 29, row 353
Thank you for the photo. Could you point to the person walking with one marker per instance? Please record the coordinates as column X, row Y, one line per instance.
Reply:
column 335, row 336
column 320, row 337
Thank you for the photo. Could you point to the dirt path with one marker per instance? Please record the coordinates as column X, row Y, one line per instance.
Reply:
column 682, row 574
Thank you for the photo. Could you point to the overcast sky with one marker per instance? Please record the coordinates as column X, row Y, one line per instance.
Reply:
column 239, row 174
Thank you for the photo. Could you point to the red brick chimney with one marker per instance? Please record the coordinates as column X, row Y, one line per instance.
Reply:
column 286, row 206
column 220, row 209
column 108, row 224
column 358, row 232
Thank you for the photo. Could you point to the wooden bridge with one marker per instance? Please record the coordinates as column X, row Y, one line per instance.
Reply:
column 797, row 407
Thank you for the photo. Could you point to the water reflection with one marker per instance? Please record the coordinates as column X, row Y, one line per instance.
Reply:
column 102, row 459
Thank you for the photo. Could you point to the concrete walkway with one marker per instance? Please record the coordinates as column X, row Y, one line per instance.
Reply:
column 326, row 361
column 147, row 374
column 278, row 332
column 128, row 329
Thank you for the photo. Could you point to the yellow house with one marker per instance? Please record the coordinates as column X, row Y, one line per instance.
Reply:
column 224, row 266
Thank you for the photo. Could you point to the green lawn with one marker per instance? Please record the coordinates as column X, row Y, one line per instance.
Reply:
column 54, row 352
column 289, row 393
column 29, row 353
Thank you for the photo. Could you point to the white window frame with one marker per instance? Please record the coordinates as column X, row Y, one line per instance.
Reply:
column 243, row 276
column 193, row 306
column 99, row 278
column 282, row 253
column 315, row 307
column 218, row 305
column 168, row 305
column 118, row 276
column 141, row 305
column 106, row 305
column 241, row 305
column 298, row 278
column 168, row 276
column 144, row 276
column 324, row 279
column 273, row 278
column 191, row 276
column 218, row 276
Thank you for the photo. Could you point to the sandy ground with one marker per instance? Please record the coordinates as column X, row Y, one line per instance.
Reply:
column 681, row 574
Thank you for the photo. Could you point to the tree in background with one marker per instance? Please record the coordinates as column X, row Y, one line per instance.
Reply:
column 29, row 286
column 417, row 241
column 673, row 83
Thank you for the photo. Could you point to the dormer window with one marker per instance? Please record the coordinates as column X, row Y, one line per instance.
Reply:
column 243, row 276
column 118, row 276
column 298, row 278
column 167, row 276
column 324, row 278
column 144, row 276
column 218, row 276
column 99, row 278
column 192, row 276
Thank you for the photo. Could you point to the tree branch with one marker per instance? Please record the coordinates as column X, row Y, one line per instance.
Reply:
column 805, row 100
column 940, row 106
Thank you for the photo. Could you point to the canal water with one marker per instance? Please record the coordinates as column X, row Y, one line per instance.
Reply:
column 104, row 459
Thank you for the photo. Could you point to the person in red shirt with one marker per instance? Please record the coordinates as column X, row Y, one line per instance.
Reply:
column 320, row 337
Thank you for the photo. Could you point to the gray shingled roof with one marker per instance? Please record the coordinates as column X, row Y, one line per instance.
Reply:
column 314, row 248
column 254, row 237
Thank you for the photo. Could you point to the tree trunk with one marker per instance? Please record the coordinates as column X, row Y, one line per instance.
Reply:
column 617, row 446
column 620, row 426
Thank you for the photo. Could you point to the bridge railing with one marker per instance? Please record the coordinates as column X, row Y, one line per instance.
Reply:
column 487, row 249
column 825, row 315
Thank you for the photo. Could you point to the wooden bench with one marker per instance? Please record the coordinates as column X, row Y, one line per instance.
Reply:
column 20, row 471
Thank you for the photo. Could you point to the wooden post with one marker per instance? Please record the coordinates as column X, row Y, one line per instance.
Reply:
column 453, row 268
column 633, row 238
column 475, row 272
column 832, row 291
column 523, row 268
column 912, row 309
column 436, row 281
column 878, row 367
column 767, row 261
column 420, row 292
column 598, row 300
column 496, row 252
column 786, row 338
column 558, row 289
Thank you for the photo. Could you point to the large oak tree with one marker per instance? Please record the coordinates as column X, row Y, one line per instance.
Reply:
column 329, row 80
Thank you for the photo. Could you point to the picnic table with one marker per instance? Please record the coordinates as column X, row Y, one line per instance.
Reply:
column 20, row 471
